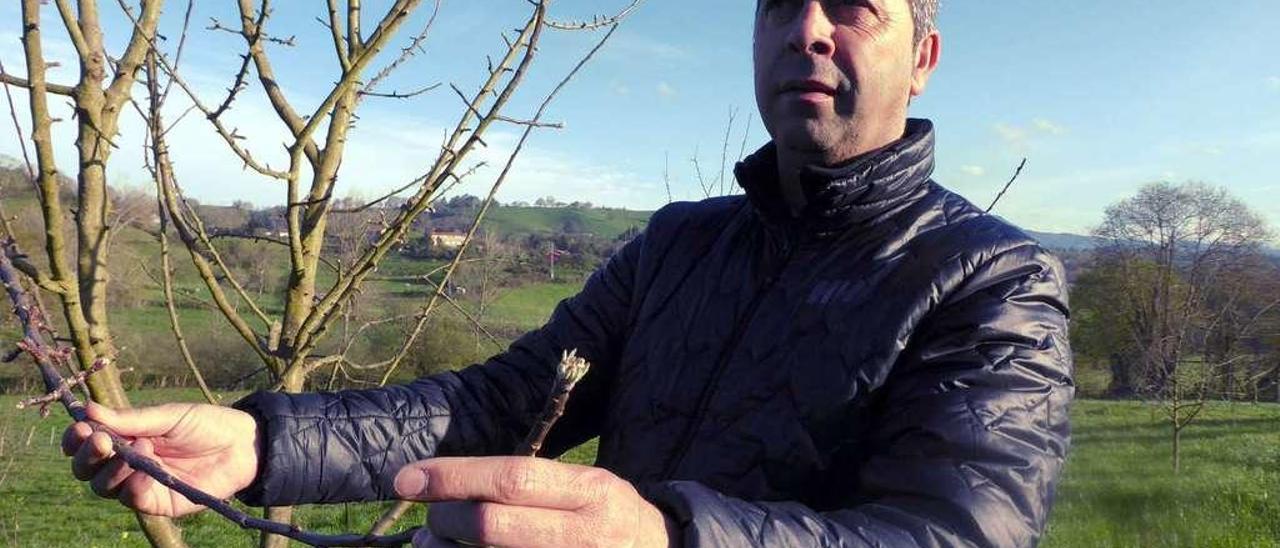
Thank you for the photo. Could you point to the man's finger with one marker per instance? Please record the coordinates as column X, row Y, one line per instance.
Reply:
column 523, row 481
column 494, row 524
column 424, row 539
column 139, row 422
column 106, row 482
column 73, row 437
column 90, row 456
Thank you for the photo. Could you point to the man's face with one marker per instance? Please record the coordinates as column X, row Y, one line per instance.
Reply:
column 833, row 77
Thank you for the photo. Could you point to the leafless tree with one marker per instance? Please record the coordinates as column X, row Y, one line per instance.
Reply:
column 289, row 345
column 1171, row 247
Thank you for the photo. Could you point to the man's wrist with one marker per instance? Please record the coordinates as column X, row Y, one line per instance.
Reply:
column 666, row 531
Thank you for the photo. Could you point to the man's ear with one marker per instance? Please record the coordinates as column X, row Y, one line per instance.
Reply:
column 928, row 51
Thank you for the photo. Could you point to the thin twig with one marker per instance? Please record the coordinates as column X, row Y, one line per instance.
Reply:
column 1007, row 185
column 17, row 129
column 215, row 24
column 64, row 386
column 177, row 55
column 596, row 22
column 399, row 94
column 569, row 371
column 414, row 47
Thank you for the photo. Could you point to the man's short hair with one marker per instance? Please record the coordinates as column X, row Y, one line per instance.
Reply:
column 925, row 14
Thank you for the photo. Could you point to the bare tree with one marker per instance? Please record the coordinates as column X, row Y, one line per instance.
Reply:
column 721, row 183
column 292, row 344
column 106, row 84
column 1171, row 246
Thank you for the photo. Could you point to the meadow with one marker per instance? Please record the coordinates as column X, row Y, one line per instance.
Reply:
column 1118, row 489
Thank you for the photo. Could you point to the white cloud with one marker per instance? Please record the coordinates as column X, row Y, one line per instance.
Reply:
column 664, row 89
column 1019, row 137
column 1045, row 126
column 630, row 46
column 1273, row 83
column 1010, row 134
column 619, row 88
column 973, row 171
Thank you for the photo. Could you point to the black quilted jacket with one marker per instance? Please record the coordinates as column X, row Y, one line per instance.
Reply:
column 890, row 369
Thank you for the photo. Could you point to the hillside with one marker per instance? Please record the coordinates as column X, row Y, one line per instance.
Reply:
column 608, row 223
column 1064, row 241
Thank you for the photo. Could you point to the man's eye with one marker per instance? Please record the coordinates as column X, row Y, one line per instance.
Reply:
column 780, row 11
column 844, row 11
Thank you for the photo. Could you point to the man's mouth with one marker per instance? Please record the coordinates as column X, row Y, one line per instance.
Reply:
column 808, row 86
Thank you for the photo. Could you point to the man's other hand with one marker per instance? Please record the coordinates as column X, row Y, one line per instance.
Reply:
column 529, row 502
column 210, row 447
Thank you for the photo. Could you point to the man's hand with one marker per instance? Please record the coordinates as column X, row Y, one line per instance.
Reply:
column 529, row 502
column 212, row 448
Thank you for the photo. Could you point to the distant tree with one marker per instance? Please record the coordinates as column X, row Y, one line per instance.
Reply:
column 1167, row 250
column 464, row 202
column 1095, row 336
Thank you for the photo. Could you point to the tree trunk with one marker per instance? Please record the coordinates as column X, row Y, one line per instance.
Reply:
column 279, row 514
column 160, row 532
column 1121, row 385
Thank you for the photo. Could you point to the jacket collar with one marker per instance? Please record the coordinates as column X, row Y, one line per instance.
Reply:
column 841, row 197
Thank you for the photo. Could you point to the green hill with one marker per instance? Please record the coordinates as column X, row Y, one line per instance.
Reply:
column 608, row 223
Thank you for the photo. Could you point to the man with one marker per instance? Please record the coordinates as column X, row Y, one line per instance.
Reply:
column 846, row 355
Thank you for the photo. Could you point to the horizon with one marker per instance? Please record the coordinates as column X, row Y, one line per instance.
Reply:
column 1140, row 95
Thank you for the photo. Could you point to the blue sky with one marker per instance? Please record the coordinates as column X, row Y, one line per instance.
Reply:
column 1101, row 97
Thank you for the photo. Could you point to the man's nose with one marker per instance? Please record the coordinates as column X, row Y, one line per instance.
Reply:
column 811, row 30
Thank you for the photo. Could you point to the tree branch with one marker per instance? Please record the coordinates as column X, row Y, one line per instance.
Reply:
column 321, row 314
column 596, row 22
column 1016, row 173
column 493, row 191
column 73, row 29
column 229, row 136
column 56, row 89
column 339, row 43
column 412, row 49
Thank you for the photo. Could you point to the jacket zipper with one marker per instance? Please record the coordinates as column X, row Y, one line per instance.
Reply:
column 726, row 354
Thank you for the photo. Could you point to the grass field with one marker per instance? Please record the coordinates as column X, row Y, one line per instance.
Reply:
column 529, row 306
column 1118, row 490
column 601, row 222
column 42, row 505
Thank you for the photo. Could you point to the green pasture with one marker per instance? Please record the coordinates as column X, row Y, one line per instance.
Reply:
column 546, row 220
column 1118, row 490
column 42, row 505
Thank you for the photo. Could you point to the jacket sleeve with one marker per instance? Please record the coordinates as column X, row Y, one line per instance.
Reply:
column 348, row 446
column 967, row 435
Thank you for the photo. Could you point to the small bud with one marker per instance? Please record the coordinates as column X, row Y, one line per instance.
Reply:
column 572, row 367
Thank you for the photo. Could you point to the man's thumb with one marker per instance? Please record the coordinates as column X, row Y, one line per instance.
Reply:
column 139, row 422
